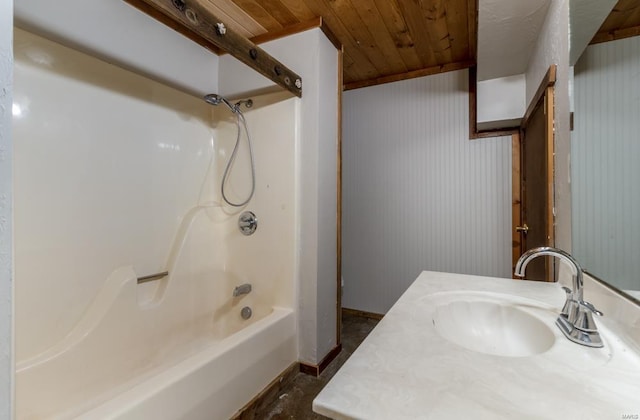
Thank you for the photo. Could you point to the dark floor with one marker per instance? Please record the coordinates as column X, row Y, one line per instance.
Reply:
column 294, row 402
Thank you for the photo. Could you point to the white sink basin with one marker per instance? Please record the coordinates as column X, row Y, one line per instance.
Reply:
column 492, row 327
column 457, row 346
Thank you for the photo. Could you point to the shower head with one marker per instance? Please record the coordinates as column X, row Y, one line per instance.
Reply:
column 215, row 99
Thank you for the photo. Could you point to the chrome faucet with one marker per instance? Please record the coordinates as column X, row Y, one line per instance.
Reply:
column 243, row 289
column 576, row 318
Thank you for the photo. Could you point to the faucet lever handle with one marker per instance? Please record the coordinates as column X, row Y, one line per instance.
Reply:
column 584, row 321
column 570, row 307
column 590, row 307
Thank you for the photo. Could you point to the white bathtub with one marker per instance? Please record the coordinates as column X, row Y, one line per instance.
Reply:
column 214, row 383
column 176, row 348
column 205, row 370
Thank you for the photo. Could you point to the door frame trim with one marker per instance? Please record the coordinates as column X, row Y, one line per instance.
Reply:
column 339, row 202
column 516, row 201
column 549, row 80
column 546, row 92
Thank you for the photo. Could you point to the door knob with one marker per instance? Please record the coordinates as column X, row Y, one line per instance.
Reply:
column 523, row 229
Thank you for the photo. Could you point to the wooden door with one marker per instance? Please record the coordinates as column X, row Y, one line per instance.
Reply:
column 536, row 225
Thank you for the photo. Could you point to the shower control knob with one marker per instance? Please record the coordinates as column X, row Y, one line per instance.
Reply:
column 247, row 223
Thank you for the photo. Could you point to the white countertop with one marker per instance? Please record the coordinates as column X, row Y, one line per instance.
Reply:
column 405, row 370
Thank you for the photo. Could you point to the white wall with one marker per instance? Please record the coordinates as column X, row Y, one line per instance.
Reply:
column 314, row 58
column 237, row 79
column 118, row 33
column 604, row 161
column 6, row 204
column 326, row 184
column 507, row 32
column 553, row 48
column 501, row 99
column 418, row 194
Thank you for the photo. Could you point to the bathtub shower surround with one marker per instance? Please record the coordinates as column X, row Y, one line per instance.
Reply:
column 6, row 206
column 117, row 177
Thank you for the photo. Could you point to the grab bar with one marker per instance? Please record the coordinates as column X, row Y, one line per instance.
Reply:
column 153, row 277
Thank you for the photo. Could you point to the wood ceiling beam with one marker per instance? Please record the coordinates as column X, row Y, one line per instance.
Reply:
column 192, row 19
column 622, row 22
column 409, row 75
column 615, row 35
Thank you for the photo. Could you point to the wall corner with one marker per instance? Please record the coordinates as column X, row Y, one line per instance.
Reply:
column 6, row 197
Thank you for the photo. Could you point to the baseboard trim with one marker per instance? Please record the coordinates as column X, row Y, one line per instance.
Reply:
column 362, row 314
column 269, row 394
column 316, row 370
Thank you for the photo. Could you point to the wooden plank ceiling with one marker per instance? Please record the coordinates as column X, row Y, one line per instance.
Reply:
column 384, row 40
column 622, row 22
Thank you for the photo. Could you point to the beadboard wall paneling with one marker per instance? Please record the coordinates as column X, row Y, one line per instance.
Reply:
column 417, row 193
column 605, row 169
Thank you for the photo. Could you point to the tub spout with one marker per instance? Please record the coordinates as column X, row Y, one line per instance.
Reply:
column 243, row 289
